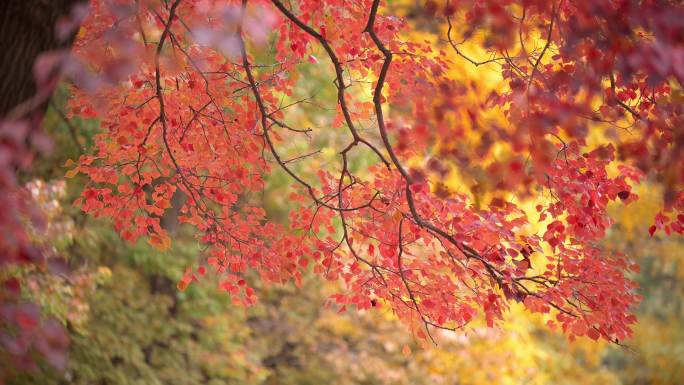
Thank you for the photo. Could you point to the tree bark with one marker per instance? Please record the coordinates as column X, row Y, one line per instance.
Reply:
column 27, row 29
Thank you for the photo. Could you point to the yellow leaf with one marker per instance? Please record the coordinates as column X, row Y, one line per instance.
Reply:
column 71, row 173
column 182, row 285
column 398, row 215
column 161, row 242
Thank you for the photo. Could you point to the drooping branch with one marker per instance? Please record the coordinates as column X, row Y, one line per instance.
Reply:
column 339, row 79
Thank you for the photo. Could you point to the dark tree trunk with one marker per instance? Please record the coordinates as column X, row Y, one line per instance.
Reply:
column 27, row 29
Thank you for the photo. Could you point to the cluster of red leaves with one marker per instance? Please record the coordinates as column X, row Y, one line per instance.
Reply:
column 198, row 115
column 614, row 66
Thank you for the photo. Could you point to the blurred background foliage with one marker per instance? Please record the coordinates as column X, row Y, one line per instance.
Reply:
column 129, row 324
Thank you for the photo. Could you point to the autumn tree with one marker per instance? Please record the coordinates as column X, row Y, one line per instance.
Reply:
column 196, row 100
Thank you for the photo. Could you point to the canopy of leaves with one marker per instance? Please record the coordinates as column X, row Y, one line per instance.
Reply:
column 208, row 108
